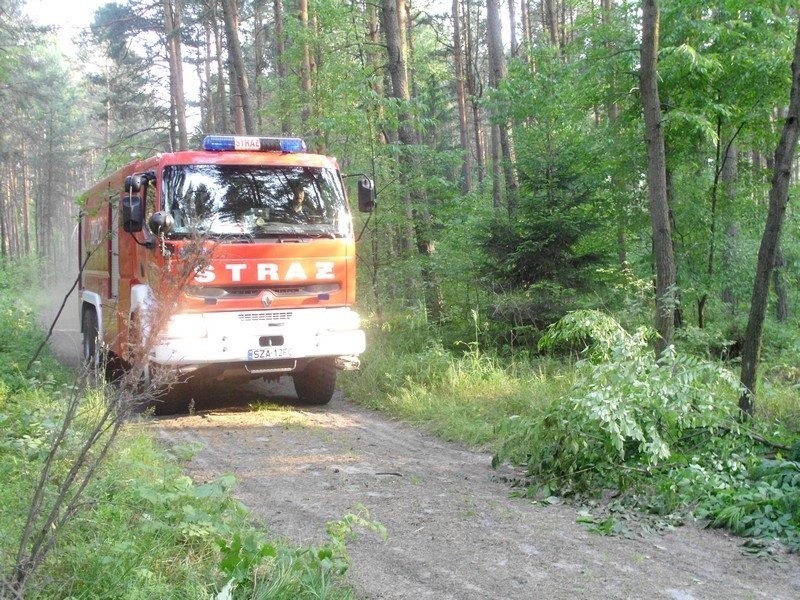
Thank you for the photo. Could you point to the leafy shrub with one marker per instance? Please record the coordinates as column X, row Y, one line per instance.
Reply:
column 18, row 338
column 21, row 275
column 663, row 432
column 723, row 343
column 258, row 568
column 625, row 407
column 519, row 319
column 780, row 340
column 764, row 505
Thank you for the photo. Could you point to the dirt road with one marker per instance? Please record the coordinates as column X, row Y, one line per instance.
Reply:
column 454, row 530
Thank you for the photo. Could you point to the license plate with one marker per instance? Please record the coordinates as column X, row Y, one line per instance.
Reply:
column 265, row 353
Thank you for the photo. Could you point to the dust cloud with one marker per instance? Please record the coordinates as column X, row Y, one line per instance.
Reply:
column 58, row 305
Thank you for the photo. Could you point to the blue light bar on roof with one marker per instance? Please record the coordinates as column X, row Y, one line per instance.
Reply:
column 230, row 143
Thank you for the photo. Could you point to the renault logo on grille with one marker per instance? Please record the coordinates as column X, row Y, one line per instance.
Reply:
column 267, row 297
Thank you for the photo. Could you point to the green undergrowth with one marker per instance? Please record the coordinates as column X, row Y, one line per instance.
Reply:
column 628, row 438
column 465, row 396
column 143, row 529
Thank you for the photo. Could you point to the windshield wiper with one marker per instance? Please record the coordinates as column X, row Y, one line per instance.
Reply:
column 316, row 234
column 247, row 238
column 275, row 234
column 294, row 232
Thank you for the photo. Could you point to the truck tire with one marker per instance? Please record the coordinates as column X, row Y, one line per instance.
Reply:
column 149, row 389
column 92, row 355
column 316, row 383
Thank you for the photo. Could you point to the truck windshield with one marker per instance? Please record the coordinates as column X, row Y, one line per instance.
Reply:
column 255, row 201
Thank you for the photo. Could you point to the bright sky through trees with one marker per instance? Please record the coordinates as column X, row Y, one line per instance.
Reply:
column 66, row 17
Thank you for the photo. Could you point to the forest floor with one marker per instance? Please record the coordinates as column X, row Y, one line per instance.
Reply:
column 454, row 528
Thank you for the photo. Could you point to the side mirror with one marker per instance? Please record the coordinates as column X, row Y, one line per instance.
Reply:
column 366, row 195
column 133, row 183
column 132, row 213
column 161, row 223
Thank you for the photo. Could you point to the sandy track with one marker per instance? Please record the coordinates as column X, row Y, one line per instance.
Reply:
column 454, row 530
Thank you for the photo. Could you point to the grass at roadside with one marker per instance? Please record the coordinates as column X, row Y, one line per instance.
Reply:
column 460, row 397
column 143, row 528
column 664, row 436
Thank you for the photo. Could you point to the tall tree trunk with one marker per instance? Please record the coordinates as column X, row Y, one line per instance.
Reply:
column 622, row 241
column 678, row 310
column 497, row 172
column 398, row 76
column 613, row 114
column 782, row 311
column 393, row 16
column 26, row 202
column 222, row 105
column 305, row 68
column 729, row 256
column 498, row 69
column 317, row 58
column 375, row 61
column 512, row 27
column 46, row 224
column 202, row 84
column 407, row 25
column 107, row 121
column 525, row 15
column 392, row 10
column 657, row 178
column 550, row 18
column 210, row 121
column 778, row 200
column 475, row 92
column 259, row 45
column 8, row 214
column 712, row 229
column 173, row 10
column 3, row 218
column 13, row 234
column 461, row 96
column 280, row 66
column 729, row 177
column 239, row 84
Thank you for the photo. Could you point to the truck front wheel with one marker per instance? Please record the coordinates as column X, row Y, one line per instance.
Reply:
column 315, row 384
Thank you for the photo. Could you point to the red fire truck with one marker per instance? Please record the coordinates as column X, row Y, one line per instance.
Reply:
column 274, row 290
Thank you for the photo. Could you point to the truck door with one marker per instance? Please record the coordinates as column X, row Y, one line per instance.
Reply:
column 110, row 302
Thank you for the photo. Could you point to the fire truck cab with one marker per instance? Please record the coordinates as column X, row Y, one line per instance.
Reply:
column 235, row 261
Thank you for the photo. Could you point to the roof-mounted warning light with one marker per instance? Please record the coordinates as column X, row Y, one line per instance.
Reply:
column 228, row 143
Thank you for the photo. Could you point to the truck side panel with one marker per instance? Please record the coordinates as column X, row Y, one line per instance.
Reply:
column 96, row 252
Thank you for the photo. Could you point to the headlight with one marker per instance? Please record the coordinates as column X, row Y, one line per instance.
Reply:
column 186, row 326
column 342, row 320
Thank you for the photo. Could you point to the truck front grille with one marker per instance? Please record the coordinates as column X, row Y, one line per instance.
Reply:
column 239, row 292
column 273, row 316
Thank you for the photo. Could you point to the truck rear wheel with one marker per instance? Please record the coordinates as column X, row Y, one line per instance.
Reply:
column 316, row 383
column 92, row 356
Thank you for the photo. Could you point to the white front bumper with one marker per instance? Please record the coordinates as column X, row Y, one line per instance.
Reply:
column 226, row 337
